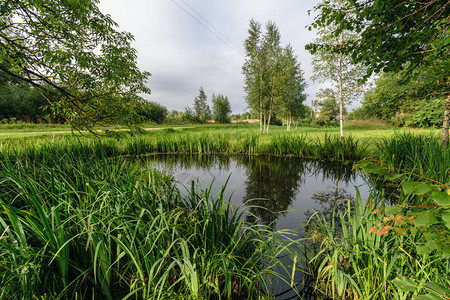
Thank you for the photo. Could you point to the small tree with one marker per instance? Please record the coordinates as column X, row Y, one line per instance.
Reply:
column 327, row 101
column 221, row 108
column 270, row 72
column 201, row 108
column 290, row 104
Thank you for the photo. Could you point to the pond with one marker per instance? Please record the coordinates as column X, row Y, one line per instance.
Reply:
column 281, row 192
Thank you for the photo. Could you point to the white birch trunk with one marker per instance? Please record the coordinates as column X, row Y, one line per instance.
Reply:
column 341, row 102
column 445, row 124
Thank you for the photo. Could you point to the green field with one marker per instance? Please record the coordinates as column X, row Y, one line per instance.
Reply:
column 360, row 130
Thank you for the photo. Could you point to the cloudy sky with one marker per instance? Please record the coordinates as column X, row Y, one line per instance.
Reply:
column 183, row 55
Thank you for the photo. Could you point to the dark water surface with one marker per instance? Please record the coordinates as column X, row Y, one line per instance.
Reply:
column 286, row 190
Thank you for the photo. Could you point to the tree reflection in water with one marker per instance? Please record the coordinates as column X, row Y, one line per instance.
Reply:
column 268, row 185
column 271, row 186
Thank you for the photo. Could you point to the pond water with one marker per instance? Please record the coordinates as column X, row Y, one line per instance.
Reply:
column 281, row 192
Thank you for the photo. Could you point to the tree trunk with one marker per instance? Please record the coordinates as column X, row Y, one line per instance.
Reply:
column 341, row 104
column 264, row 127
column 445, row 124
column 270, row 115
column 260, row 120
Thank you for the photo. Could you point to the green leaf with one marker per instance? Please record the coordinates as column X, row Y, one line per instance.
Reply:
column 423, row 249
column 413, row 230
column 441, row 198
column 446, row 250
column 429, row 246
column 425, row 219
column 395, row 176
column 426, row 297
column 373, row 169
column 392, row 210
column 436, row 287
column 408, row 186
column 446, row 218
column 417, row 188
column 405, row 284
column 361, row 164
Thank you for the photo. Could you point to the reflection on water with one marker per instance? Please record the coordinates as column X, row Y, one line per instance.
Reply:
column 278, row 191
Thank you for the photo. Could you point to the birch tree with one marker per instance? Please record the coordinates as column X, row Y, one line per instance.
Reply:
column 291, row 104
column 332, row 65
column 271, row 72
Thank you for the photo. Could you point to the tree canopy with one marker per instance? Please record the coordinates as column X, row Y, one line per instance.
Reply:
column 397, row 34
column 73, row 55
column 272, row 74
column 221, row 108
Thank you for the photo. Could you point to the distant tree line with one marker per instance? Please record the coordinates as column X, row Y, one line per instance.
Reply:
column 19, row 101
column 201, row 111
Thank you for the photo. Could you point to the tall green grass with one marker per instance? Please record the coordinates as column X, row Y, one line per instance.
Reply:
column 332, row 147
column 79, row 224
column 422, row 155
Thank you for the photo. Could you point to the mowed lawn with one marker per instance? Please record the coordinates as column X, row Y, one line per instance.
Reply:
column 361, row 130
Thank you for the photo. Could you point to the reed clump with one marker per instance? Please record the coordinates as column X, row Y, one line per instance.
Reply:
column 419, row 154
column 78, row 223
column 332, row 147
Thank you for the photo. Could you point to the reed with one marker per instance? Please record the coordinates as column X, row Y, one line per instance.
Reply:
column 335, row 147
column 80, row 224
column 423, row 155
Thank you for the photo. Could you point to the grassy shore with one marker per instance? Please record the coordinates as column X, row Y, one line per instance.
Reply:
column 308, row 142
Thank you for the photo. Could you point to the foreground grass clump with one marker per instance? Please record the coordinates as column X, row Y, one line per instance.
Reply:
column 379, row 251
column 359, row 259
column 79, row 224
